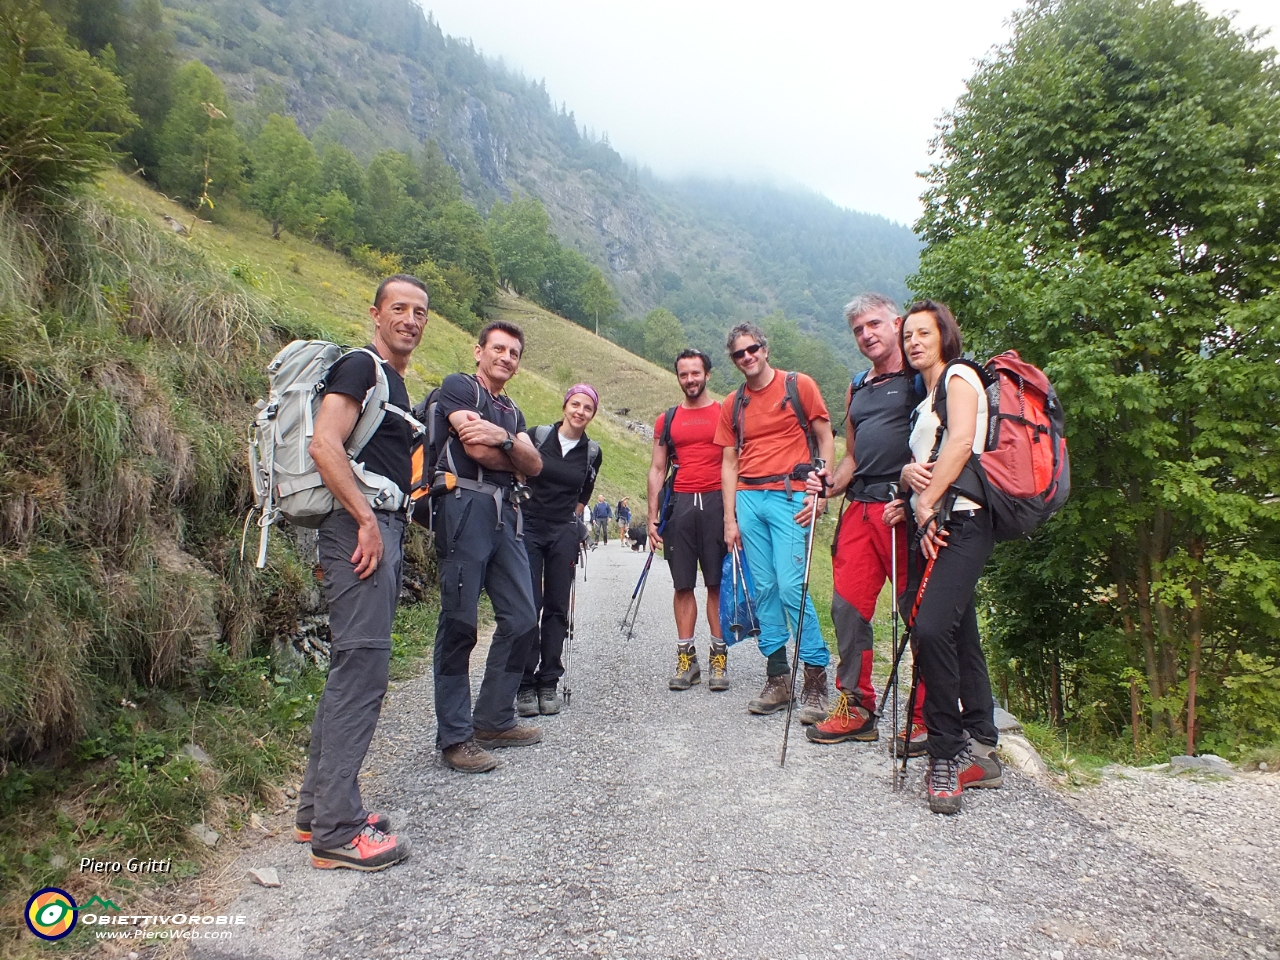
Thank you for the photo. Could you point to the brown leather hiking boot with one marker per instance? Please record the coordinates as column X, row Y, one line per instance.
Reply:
column 774, row 696
column 813, row 696
column 718, row 663
column 468, row 757
column 516, row 736
column 687, row 670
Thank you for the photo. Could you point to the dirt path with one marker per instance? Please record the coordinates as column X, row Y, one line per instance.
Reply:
column 650, row 824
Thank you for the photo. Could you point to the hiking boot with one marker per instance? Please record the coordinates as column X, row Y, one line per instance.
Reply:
column 687, row 670
column 718, row 665
column 368, row 850
column 379, row 821
column 979, row 767
column 469, row 757
column 919, row 744
column 943, row 782
column 774, row 696
column 549, row 701
column 845, row 722
column 813, row 696
column 516, row 736
column 527, row 703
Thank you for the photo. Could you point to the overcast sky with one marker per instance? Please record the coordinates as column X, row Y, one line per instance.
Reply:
column 842, row 97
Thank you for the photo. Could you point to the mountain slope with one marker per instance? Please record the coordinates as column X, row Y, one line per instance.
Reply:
column 376, row 73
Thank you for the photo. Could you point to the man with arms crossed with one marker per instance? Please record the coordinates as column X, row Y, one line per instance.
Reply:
column 879, row 422
column 478, row 535
column 694, row 536
column 763, row 513
column 360, row 553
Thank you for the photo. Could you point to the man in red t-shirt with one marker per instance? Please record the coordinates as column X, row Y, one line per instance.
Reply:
column 764, row 513
column 693, row 535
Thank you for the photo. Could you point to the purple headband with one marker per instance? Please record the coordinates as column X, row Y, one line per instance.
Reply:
column 583, row 388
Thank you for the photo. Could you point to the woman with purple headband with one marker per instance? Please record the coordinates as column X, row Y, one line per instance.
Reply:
column 558, row 495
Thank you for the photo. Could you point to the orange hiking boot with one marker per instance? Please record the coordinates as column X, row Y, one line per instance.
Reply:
column 845, row 722
column 919, row 744
column 379, row 821
column 368, row 850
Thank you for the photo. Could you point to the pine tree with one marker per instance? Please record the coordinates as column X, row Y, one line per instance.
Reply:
column 201, row 154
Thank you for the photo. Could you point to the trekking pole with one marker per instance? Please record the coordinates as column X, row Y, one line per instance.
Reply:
column 893, row 602
column 915, row 673
column 568, row 647
column 633, row 608
column 819, row 464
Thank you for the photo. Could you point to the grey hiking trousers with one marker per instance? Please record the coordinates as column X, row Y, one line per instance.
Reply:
column 475, row 553
column 361, row 613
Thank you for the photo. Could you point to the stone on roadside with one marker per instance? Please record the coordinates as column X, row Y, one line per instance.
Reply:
column 265, row 876
column 1006, row 722
column 1021, row 754
column 1205, row 763
column 206, row 835
column 196, row 754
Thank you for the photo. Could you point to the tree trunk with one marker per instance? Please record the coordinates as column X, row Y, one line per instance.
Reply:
column 1195, row 623
column 1055, row 692
column 1135, row 711
column 1124, row 598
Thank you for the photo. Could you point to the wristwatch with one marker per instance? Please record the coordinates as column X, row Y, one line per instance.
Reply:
column 506, row 445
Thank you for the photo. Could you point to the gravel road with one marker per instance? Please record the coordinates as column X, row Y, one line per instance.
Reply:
column 655, row 824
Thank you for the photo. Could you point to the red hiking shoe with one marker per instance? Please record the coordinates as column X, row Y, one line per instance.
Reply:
column 379, row 821
column 844, row 723
column 979, row 767
column 368, row 850
column 943, row 782
column 919, row 744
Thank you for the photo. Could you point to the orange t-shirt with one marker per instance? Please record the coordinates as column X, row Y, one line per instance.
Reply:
column 772, row 439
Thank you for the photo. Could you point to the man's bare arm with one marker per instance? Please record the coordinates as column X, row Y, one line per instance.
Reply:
column 657, row 476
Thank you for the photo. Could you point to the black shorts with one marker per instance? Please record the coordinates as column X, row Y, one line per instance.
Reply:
column 695, row 535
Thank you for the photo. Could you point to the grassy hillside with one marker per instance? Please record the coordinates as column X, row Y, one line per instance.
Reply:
column 335, row 294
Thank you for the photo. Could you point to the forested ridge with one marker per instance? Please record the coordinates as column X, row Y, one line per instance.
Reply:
column 377, row 75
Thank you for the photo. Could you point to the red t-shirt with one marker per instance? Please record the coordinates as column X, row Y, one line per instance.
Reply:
column 693, row 434
column 773, row 440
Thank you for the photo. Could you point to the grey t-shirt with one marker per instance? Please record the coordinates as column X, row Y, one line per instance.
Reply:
column 880, row 415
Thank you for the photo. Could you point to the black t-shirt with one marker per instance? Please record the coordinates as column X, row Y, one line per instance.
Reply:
column 880, row 415
column 565, row 480
column 461, row 391
column 387, row 452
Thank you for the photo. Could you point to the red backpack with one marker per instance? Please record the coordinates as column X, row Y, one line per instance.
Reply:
column 1023, row 474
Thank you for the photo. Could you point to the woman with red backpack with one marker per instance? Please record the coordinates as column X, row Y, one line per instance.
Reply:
column 954, row 538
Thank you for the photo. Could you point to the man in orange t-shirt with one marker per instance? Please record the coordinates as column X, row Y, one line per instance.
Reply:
column 764, row 511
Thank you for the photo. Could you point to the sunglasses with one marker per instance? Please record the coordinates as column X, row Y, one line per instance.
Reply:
column 739, row 354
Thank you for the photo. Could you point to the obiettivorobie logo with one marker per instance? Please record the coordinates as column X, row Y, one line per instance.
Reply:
column 51, row 913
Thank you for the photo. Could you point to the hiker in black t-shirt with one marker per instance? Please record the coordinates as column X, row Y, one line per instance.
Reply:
column 879, row 406
column 558, row 495
column 479, row 531
column 360, row 552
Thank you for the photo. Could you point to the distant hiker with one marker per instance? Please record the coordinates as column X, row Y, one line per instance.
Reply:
column 600, row 517
column 624, row 518
column 771, row 429
column 957, row 532
column 360, row 553
column 479, row 536
column 557, row 497
column 878, row 425
column 694, row 532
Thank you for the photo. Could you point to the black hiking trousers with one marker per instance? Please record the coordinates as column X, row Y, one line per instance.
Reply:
column 475, row 553
column 553, row 551
column 947, row 647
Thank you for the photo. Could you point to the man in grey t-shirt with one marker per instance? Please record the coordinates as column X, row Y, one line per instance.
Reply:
column 877, row 429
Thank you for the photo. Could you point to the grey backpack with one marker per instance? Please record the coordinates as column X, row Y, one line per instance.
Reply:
column 286, row 483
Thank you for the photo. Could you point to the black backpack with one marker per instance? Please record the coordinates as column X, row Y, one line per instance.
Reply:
column 426, row 454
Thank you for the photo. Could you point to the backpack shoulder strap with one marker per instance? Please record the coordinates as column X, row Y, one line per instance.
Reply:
column 740, row 399
column 940, row 396
column 792, row 386
column 540, row 434
column 666, row 433
column 593, row 459
column 374, row 408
